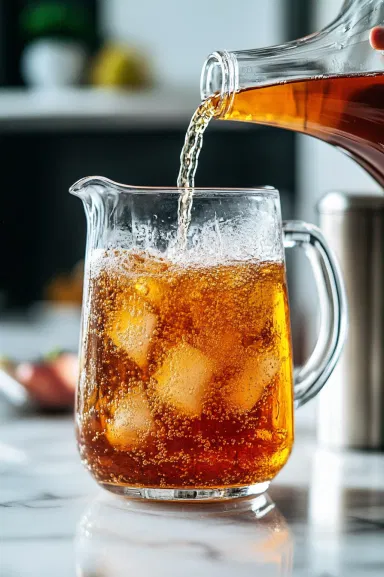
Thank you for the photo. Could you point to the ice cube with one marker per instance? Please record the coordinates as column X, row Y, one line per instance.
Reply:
column 131, row 422
column 151, row 290
column 246, row 389
column 132, row 329
column 182, row 379
column 267, row 309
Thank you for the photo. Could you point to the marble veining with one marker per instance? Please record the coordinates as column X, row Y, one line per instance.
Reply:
column 323, row 517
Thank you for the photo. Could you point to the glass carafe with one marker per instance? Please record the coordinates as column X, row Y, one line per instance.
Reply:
column 329, row 85
column 186, row 386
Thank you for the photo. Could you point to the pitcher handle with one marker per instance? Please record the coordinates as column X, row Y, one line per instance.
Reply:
column 311, row 378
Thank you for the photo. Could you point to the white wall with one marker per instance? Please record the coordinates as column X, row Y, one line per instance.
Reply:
column 180, row 34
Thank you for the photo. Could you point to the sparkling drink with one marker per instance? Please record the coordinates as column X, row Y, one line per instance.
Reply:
column 186, row 377
column 186, row 386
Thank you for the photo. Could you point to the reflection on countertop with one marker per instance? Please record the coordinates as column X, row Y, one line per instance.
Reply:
column 216, row 539
column 324, row 516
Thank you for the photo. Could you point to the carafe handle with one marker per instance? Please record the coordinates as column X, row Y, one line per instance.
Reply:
column 311, row 378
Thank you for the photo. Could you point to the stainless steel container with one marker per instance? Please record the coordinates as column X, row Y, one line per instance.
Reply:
column 351, row 406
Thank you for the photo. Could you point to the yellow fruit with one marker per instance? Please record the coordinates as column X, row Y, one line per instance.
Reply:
column 119, row 66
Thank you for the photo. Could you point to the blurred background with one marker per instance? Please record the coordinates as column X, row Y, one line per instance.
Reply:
column 108, row 87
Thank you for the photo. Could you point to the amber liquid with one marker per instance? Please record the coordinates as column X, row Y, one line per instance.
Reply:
column 346, row 111
column 188, row 165
column 186, row 375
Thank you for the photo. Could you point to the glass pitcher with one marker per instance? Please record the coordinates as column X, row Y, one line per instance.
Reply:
column 186, row 383
column 329, row 85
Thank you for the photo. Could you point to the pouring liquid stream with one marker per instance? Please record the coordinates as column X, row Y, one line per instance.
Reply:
column 188, row 165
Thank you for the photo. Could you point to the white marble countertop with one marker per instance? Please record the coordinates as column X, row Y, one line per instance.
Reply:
column 324, row 517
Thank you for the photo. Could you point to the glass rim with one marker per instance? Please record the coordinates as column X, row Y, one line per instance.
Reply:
column 265, row 191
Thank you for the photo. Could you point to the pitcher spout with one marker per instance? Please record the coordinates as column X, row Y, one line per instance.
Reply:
column 83, row 187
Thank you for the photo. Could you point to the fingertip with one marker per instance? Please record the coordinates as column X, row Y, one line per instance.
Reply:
column 376, row 38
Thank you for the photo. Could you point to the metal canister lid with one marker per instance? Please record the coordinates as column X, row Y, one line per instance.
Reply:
column 336, row 202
